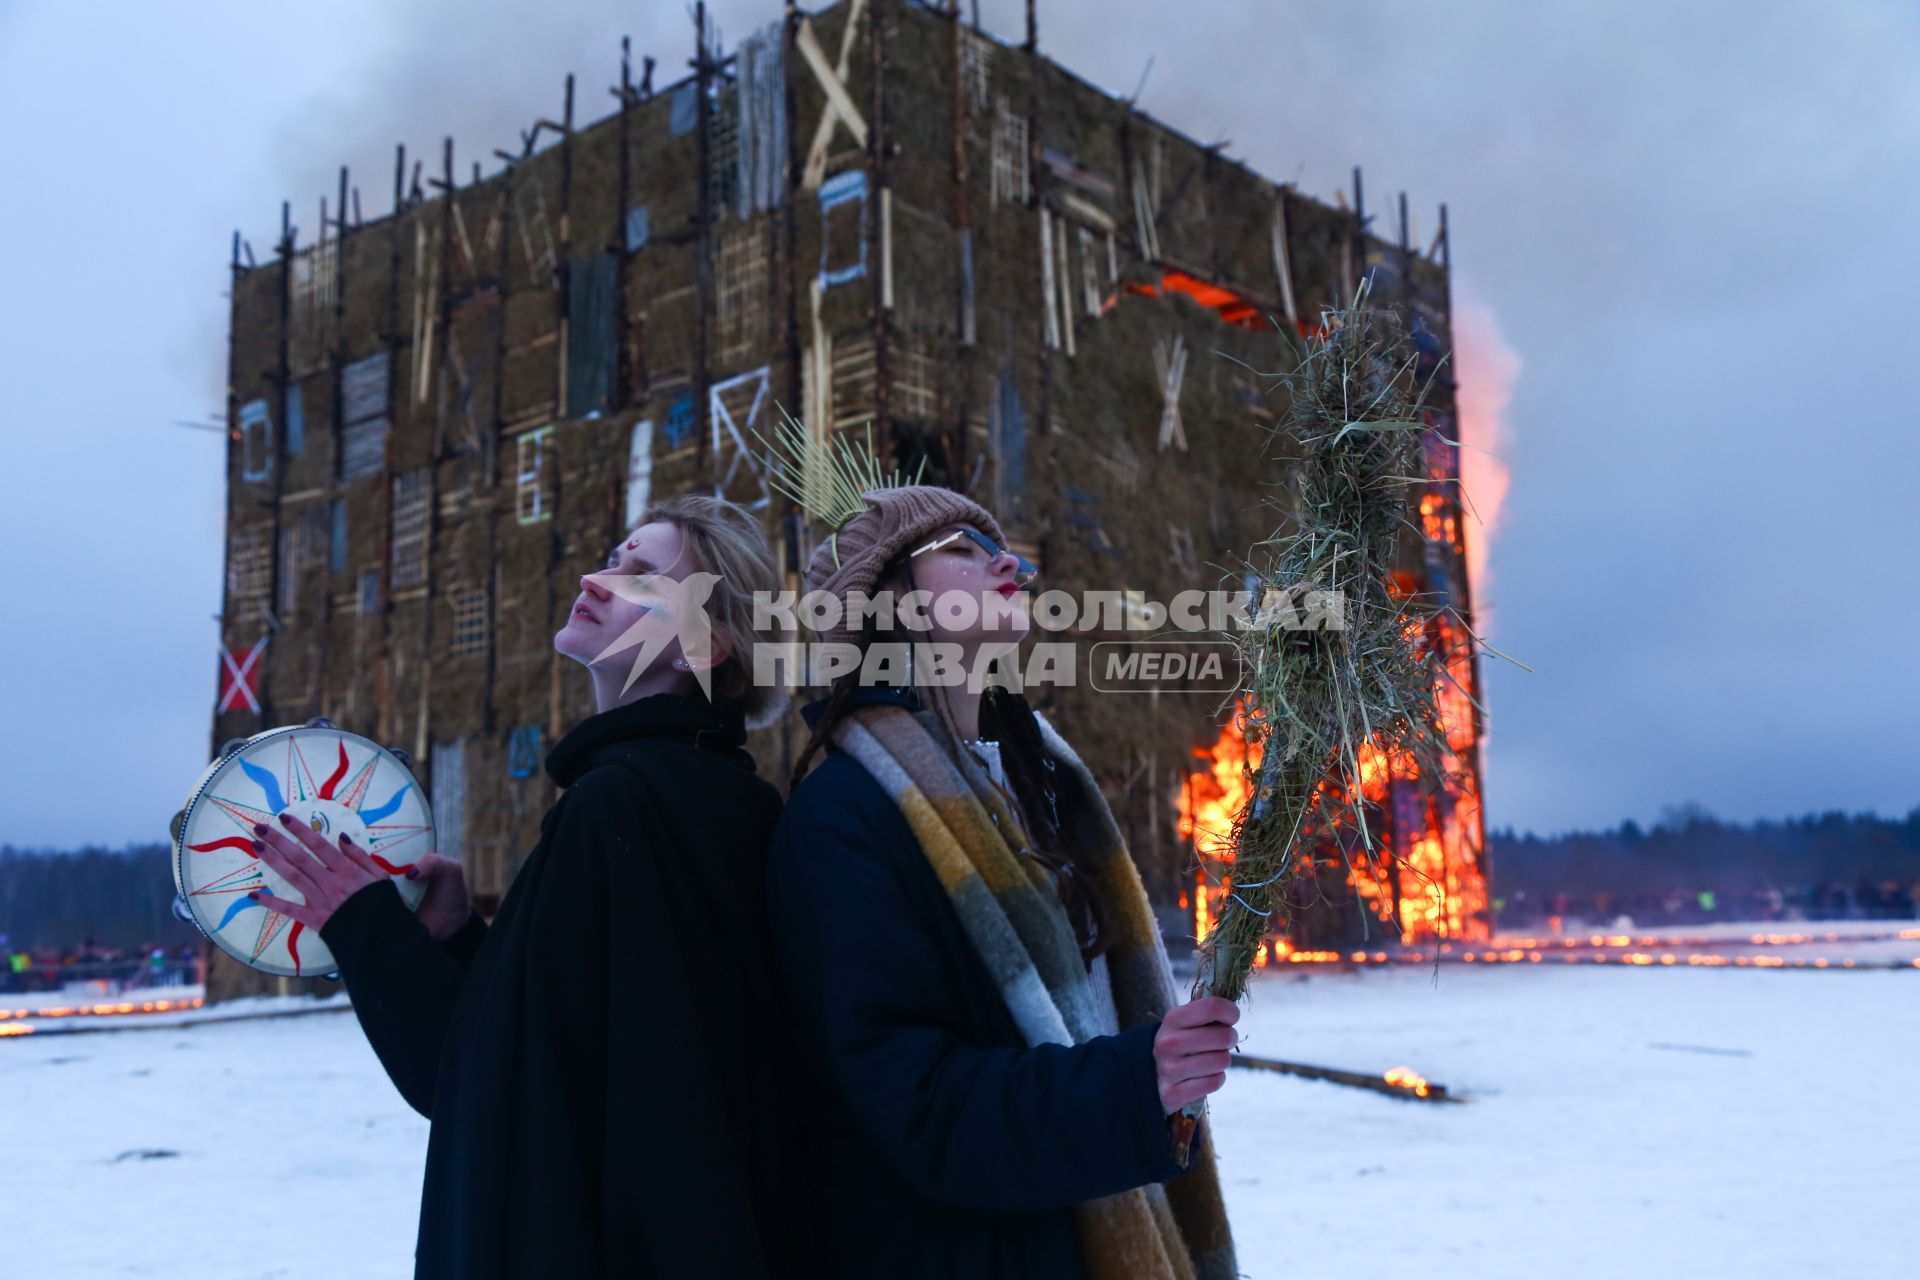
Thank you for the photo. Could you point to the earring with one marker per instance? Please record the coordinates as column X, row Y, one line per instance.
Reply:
column 682, row 664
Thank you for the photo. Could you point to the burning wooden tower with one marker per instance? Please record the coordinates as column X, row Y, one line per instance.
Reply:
column 874, row 213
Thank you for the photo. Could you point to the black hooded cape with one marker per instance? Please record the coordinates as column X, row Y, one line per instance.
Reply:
column 600, row 1063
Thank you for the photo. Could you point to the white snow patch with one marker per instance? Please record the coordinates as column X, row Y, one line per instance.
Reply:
column 1582, row 1152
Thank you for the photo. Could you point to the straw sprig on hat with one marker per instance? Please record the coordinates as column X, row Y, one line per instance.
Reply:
column 825, row 477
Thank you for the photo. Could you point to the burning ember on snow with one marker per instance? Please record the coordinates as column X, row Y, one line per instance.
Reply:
column 1426, row 882
column 1409, row 1079
column 1400, row 1082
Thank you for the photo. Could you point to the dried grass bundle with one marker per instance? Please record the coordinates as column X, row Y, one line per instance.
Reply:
column 1335, row 658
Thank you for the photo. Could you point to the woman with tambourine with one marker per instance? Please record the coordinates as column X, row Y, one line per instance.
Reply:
column 591, row 1060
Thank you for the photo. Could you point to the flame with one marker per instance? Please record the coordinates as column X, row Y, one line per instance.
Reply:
column 1450, row 696
column 1212, row 796
column 1433, row 875
column 1485, row 368
column 1233, row 308
column 1409, row 1079
column 109, row 1007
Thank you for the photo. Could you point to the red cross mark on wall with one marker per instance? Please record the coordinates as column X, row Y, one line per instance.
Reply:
column 240, row 681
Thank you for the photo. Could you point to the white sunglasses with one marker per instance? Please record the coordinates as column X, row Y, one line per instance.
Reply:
column 1024, row 569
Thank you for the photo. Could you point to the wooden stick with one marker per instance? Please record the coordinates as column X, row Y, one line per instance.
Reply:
column 1353, row 1079
column 880, row 212
column 703, row 300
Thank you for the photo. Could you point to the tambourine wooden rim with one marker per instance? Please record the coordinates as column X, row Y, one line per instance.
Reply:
column 335, row 780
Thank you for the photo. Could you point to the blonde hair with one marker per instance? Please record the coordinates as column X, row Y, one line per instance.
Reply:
column 725, row 539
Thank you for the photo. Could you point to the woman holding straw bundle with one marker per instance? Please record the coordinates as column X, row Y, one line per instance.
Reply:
column 600, row 1104
column 985, row 1002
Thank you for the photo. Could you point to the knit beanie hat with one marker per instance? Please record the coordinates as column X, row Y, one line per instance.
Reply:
column 897, row 519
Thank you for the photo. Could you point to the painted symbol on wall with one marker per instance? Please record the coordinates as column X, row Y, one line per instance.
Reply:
column 256, row 441
column 639, row 471
column 680, row 420
column 840, row 190
column 523, row 751
column 724, row 409
column 240, row 680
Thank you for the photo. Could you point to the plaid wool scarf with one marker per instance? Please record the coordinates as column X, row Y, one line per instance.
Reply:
column 1008, row 905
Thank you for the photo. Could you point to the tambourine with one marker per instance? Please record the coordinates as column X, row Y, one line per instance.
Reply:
column 339, row 783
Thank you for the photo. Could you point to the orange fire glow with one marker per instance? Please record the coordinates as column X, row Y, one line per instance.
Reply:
column 1212, row 796
column 100, row 1009
column 1232, row 307
column 1487, row 369
column 1431, row 879
column 1409, row 1079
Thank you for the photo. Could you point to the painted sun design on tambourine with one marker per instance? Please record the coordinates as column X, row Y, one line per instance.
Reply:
column 339, row 783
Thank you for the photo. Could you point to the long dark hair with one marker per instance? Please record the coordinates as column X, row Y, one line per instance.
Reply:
column 1006, row 717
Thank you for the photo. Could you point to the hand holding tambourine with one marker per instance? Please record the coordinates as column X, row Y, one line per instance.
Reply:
column 332, row 873
column 339, row 811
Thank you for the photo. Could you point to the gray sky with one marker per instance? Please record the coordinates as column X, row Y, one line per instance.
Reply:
column 1687, row 230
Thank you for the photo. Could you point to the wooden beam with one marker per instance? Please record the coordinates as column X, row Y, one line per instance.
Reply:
column 839, row 101
column 880, row 210
column 816, row 167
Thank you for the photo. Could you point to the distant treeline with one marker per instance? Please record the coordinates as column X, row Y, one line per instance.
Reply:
column 117, row 898
column 1689, row 850
column 122, row 898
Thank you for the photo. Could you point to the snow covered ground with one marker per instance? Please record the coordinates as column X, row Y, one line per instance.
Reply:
column 1777, row 1133
column 1592, row 1144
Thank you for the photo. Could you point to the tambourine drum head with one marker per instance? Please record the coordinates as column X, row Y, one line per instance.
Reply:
column 338, row 782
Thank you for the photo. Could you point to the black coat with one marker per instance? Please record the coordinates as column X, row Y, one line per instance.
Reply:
column 595, row 1062
column 940, row 1144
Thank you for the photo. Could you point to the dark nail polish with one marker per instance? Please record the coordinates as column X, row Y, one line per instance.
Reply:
column 257, row 846
column 345, row 838
column 287, row 818
column 260, row 826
